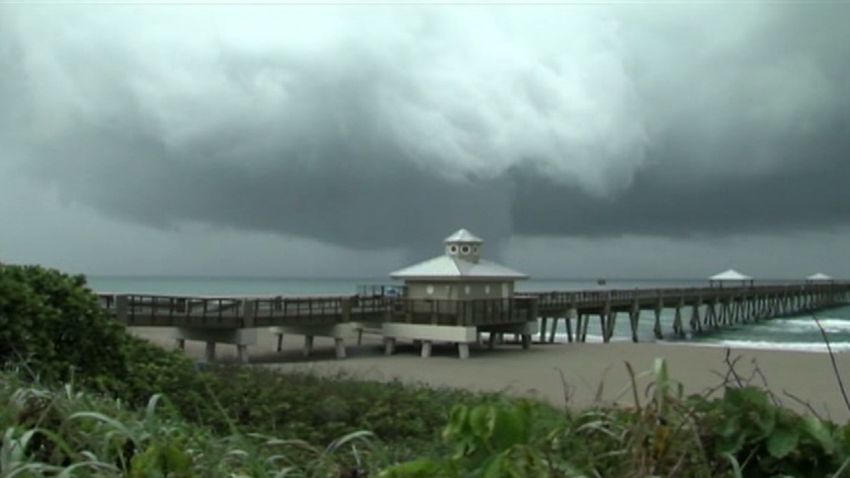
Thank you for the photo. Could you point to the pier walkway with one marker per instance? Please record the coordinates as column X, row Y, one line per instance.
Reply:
column 235, row 320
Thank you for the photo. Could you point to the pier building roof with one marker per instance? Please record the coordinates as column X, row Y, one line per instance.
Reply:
column 462, row 235
column 731, row 274
column 819, row 276
column 461, row 261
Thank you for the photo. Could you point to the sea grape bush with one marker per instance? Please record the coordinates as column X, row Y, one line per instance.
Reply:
column 767, row 440
column 52, row 325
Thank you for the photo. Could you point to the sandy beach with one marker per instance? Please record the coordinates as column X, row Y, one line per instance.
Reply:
column 559, row 373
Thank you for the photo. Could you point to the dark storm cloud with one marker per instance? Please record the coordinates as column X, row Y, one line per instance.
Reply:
column 375, row 128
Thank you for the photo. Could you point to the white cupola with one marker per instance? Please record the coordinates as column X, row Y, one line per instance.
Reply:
column 464, row 245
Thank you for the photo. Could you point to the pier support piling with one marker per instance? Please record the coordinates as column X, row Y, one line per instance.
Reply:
column 656, row 328
column 308, row 345
column 242, row 353
column 339, row 345
column 543, row 322
column 634, row 317
column 209, row 352
column 426, row 348
column 553, row 329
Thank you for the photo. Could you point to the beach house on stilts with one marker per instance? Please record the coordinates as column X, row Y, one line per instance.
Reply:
column 455, row 296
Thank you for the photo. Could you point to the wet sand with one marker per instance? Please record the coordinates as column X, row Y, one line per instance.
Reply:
column 578, row 374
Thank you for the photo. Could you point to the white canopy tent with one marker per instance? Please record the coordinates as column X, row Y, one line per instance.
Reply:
column 728, row 276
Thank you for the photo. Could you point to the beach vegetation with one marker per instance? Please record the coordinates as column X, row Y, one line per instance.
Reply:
column 51, row 324
column 81, row 397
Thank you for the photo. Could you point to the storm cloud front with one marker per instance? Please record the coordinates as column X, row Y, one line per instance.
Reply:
column 371, row 127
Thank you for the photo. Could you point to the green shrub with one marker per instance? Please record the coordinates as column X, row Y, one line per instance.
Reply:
column 51, row 324
column 318, row 409
column 768, row 440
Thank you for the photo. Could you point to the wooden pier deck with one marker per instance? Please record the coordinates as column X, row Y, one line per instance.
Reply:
column 696, row 310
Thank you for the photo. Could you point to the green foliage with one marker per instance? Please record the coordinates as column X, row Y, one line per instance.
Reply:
column 490, row 440
column 52, row 326
column 741, row 434
column 48, row 432
column 319, row 409
column 768, row 440
column 154, row 415
column 51, row 323
column 151, row 370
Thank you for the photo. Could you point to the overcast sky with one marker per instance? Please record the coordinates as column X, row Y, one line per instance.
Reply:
column 611, row 140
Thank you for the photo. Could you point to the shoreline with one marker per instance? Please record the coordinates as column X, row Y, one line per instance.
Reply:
column 542, row 371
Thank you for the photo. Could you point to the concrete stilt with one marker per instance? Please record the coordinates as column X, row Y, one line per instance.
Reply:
column 426, row 348
column 584, row 325
column 656, row 328
column 603, row 327
column 543, row 322
column 491, row 341
column 526, row 341
column 308, row 345
column 389, row 346
column 696, row 325
column 242, row 353
column 279, row 342
column 634, row 317
column 339, row 345
column 209, row 352
column 463, row 351
column 633, row 325
column 359, row 336
column 611, row 325
column 578, row 326
column 568, row 326
column 553, row 330
column 677, row 321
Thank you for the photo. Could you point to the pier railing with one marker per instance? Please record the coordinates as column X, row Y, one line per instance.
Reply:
column 243, row 312
column 235, row 312
column 567, row 299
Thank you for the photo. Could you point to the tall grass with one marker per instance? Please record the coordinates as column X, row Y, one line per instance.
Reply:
column 64, row 432
column 60, row 432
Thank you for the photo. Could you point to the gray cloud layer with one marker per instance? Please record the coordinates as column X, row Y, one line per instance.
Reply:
column 375, row 127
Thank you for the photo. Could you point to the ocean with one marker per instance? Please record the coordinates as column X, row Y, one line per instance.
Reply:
column 786, row 333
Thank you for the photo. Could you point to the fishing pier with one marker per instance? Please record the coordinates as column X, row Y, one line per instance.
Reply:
column 462, row 299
